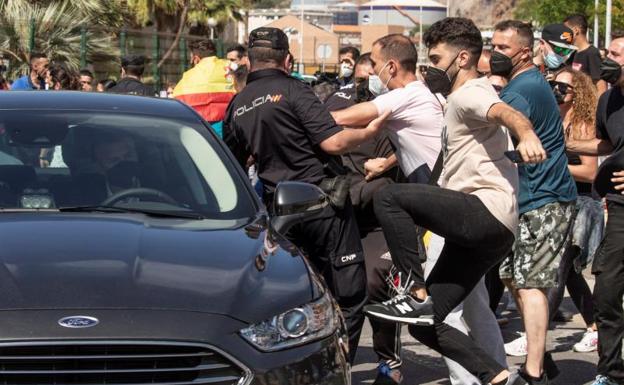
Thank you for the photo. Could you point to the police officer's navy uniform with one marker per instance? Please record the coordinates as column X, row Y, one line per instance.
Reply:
column 280, row 122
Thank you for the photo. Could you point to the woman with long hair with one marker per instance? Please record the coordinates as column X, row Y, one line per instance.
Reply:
column 577, row 98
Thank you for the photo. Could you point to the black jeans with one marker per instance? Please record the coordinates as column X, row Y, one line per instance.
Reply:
column 475, row 241
column 577, row 287
column 331, row 241
column 608, row 268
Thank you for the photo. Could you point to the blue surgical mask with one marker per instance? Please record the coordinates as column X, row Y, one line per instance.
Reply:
column 553, row 61
column 376, row 86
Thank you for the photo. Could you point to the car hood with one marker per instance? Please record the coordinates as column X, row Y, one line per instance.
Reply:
column 110, row 261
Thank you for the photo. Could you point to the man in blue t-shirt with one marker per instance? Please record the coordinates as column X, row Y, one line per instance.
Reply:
column 35, row 80
column 546, row 196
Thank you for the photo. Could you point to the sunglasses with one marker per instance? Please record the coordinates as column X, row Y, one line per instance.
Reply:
column 562, row 51
column 561, row 87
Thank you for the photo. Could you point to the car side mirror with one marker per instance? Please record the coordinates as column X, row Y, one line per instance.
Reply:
column 294, row 202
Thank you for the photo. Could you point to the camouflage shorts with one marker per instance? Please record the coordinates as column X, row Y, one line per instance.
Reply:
column 542, row 238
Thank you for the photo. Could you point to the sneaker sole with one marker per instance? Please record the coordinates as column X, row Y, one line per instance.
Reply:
column 414, row 321
column 516, row 354
column 584, row 350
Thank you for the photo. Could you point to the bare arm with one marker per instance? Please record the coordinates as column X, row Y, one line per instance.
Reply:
column 601, row 87
column 358, row 115
column 349, row 138
column 529, row 145
column 586, row 171
column 590, row 147
column 377, row 166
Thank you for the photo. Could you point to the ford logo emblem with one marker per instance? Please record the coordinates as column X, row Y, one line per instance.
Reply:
column 78, row 322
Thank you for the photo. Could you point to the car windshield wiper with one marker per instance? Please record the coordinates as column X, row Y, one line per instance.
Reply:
column 117, row 209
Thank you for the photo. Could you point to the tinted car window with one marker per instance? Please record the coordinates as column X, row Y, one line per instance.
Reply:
column 63, row 159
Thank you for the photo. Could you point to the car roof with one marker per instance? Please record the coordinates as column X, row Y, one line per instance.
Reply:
column 94, row 101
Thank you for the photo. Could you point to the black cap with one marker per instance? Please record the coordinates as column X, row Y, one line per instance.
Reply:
column 559, row 35
column 268, row 37
column 133, row 60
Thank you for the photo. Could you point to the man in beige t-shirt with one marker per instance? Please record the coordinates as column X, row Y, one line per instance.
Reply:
column 475, row 211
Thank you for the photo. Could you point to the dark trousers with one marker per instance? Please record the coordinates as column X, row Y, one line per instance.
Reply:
column 577, row 287
column 475, row 241
column 608, row 268
column 386, row 335
column 331, row 240
column 495, row 287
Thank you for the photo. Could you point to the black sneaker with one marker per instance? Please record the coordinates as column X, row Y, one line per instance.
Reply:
column 387, row 376
column 403, row 308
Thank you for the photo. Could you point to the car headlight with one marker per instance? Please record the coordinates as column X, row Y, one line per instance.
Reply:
column 298, row 326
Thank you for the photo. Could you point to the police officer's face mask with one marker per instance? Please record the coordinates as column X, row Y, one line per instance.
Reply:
column 610, row 71
column 375, row 85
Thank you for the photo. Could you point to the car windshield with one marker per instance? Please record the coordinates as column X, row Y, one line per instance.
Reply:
column 87, row 160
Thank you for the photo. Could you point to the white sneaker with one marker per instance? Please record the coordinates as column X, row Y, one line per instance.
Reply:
column 517, row 347
column 588, row 343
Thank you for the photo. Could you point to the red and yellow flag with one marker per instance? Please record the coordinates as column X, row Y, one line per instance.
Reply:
column 207, row 88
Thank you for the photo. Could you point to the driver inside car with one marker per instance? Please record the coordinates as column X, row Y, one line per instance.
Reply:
column 112, row 164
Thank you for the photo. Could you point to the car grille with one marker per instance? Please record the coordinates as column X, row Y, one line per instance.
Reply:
column 84, row 363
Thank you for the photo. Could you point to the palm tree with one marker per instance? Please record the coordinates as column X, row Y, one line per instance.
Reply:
column 57, row 27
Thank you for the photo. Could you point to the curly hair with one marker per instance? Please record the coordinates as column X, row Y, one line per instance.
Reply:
column 458, row 32
column 583, row 106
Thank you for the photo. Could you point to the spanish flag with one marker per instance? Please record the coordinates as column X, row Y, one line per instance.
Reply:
column 207, row 88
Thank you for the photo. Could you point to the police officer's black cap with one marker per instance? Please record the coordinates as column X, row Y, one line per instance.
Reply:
column 268, row 37
column 133, row 60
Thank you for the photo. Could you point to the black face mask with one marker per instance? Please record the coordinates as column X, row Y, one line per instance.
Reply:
column 438, row 80
column 501, row 64
column 610, row 71
column 362, row 93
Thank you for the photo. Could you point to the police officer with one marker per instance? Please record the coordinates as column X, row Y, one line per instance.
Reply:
column 277, row 120
column 132, row 67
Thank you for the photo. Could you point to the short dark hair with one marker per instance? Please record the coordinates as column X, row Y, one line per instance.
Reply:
column 365, row 58
column 458, row 32
column 240, row 50
column 203, row 48
column 85, row 72
column 37, row 55
column 266, row 55
column 400, row 48
column 578, row 20
column 355, row 53
column 524, row 30
column 133, row 64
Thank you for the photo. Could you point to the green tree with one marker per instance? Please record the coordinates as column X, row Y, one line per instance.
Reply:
column 178, row 15
column 57, row 27
column 542, row 12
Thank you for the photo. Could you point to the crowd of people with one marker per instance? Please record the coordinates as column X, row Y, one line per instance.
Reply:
column 488, row 169
column 479, row 172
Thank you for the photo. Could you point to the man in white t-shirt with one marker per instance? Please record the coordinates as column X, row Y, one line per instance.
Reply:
column 475, row 211
column 414, row 125
column 415, row 122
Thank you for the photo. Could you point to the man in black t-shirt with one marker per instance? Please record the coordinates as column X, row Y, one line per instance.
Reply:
column 277, row 120
column 608, row 264
column 132, row 68
column 587, row 58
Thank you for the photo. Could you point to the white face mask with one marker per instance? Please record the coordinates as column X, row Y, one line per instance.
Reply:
column 345, row 70
column 376, row 86
column 233, row 66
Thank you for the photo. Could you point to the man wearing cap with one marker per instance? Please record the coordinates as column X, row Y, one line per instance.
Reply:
column 546, row 196
column 279, row 122
column 132, row 68
column 556, row 47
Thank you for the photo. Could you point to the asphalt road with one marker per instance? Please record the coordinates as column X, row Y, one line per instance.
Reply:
column 422, row 366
